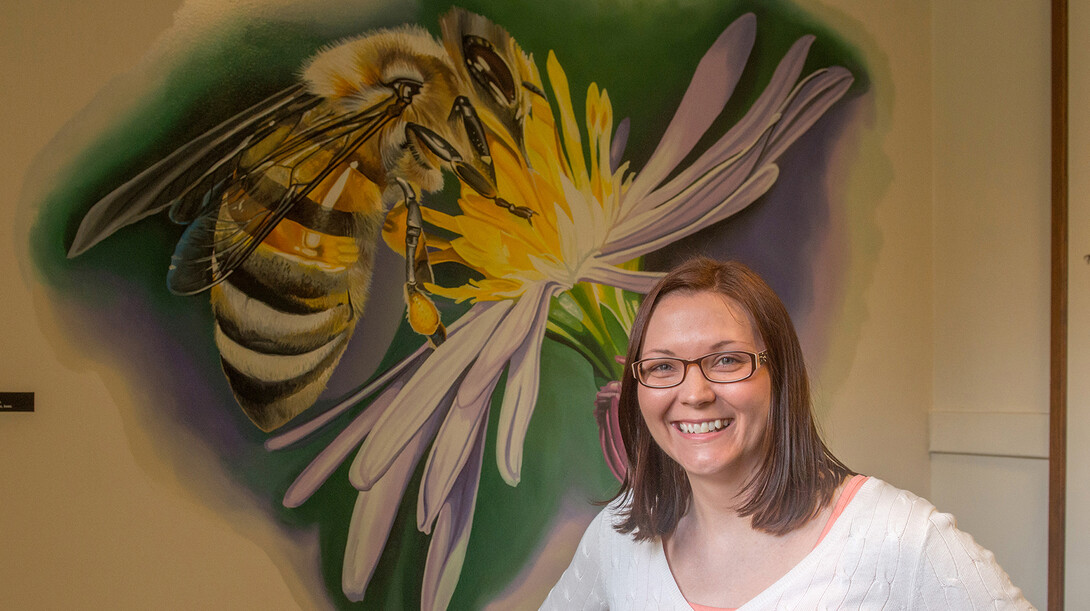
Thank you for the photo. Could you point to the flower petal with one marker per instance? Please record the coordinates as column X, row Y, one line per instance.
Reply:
column 453, row 442
column 712, row 84
column 808, row 102
column 509, row 334
column 521, row 393
column 620, row 140
column 315, row 424
column 579, row 235
column 329, row 459
column 573, row 143
column 374, row 514
column 754, row 187
column 452, row 448
column 422, row 395
column 689, row 205
column 804, row 105
column 599, row 133
column 447, row 551
column 763, row 113
column 629, row 280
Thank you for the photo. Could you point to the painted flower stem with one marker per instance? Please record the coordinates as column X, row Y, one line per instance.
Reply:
column 576, row 320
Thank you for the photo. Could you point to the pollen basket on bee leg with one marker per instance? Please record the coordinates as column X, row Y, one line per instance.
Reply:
column 422, row 314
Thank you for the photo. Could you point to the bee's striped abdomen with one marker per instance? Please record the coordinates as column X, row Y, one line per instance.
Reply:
column 284, row 317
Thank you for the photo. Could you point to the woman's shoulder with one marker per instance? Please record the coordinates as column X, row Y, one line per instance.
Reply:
column 612, row 568
column 615, row 511
column 951, row 569
column 878, row 499
column 883, row 517
column 904, row 507
column 605, row 525
column 607, row 543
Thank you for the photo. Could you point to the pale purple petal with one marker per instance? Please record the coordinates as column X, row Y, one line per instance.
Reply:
column 753, row 188
column 423, row 394
column 452, row 443
column 451, row 450
column 521, row 394
column 688, row 206
column 447, row 551
column 712, row 84
column 809, row 101
column 620, row 140
column 300, row 432
column 374, row 514
column 507, row 337
column 330, row 458
column 764, row 113
column 805, row 104
column 627, row 279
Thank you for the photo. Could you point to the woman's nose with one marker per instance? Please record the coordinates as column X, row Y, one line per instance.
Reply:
column 695, row 389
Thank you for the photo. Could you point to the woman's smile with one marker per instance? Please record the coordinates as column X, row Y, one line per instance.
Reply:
column 702, row 429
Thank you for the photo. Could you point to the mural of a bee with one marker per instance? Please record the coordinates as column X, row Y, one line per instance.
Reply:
column 285, row 202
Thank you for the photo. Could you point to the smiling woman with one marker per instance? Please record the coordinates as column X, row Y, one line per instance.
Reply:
column 783, row 473
column 713, row 430
column 731, row 499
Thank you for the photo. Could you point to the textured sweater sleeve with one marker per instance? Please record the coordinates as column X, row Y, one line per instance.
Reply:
column 582, row 586
column 955, row 572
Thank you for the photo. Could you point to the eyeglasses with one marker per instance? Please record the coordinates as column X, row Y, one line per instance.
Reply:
column 721, row 367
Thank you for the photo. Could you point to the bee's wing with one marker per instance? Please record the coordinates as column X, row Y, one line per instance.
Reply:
column 198, row 162
column 215, row 244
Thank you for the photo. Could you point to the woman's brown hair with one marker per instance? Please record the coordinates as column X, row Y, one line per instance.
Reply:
column 798, row 475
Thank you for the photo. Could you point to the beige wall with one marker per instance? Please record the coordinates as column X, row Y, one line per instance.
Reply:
column 949, row 172
column 875, row 414
column 989, row 419
column 1078, row 390
column 87, row 519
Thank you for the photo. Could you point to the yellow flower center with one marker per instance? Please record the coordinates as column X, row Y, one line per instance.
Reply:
column 572, row 205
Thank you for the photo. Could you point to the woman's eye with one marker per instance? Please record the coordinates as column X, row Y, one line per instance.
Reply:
column 660, row 368
column 726, row 361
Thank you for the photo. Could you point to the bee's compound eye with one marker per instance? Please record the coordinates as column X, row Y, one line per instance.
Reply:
column 489, row 69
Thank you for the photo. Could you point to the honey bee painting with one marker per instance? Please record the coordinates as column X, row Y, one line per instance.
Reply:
column 285, row 203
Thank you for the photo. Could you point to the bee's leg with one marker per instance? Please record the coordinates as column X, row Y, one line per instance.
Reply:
column 422, row 314
column 463, row 109
column 467, row 173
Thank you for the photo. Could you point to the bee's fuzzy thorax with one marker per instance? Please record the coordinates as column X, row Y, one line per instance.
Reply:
column 349, row 67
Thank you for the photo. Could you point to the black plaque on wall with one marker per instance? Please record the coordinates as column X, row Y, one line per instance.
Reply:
column 16, row 402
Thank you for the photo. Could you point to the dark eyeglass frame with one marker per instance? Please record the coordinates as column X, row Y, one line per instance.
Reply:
column 756, row 359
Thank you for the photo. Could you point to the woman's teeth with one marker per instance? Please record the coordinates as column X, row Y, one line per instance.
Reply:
column 702, row 427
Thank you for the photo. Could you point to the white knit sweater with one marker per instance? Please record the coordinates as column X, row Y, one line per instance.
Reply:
column 890, row 549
